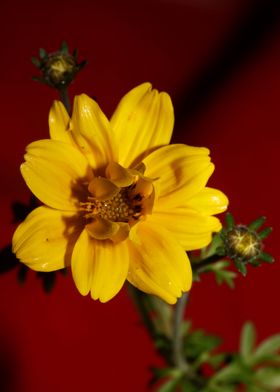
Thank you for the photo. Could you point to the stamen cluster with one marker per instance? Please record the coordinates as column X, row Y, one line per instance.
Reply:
column 120, row 208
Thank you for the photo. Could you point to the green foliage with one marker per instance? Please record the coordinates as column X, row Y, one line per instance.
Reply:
column 198, row 345
column 257, row 368
column 221, row 272
column 247, row 342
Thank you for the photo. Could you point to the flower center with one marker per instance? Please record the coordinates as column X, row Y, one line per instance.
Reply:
column 125, row 206
column 117, row 202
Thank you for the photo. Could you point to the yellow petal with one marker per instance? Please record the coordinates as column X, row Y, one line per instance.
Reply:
column 209, row 201
column 102, row 189
column 192, row 229
column 122, row 233
column 182, row 172
column 119, row 175
column 56, row 172
column 110, row 269
column 59, row 123
column 99, row 266
column 91, row 131
column 143, row 121
column 158, row 264
column 102, row 229
column 44, row 241
column 82, row 262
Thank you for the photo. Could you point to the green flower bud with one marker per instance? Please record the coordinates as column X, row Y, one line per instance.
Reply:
column 244, row 244
column 58, row 69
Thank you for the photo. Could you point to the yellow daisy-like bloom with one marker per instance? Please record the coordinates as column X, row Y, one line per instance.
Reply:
column 119, row 202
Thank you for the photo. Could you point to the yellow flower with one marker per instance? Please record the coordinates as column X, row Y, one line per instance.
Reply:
column 119, row 202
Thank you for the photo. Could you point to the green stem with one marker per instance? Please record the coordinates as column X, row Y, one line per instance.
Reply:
column 198, row 266
column 65, row 99
column 177, row 341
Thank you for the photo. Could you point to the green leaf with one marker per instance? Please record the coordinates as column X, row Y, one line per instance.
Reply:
column 64, row 47
column 169, row 386
column 256, row 224
column 198, row 342
column 247, row 341
column 216, row 360
column 254, row 388
column 229, row 221
column 266, row 257
column 268, row 377
column 216, row 388
column 43, row 54
column 255, row 263
column 221, row 265
column 264, row 233
column 267, row 348
column 241, row 267
column 75, row 53
column 36, row 62
column 216, row 243
column 231, row 373
column 187, row 386
column 225, row 276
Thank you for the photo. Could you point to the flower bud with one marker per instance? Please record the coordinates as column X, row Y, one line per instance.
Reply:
column 58, row 69
column 244, row 244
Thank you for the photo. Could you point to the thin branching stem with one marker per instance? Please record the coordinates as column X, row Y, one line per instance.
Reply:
column 65, row 99
column 198, row 266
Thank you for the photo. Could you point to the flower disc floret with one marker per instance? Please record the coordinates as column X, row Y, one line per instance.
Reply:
column 111, row 210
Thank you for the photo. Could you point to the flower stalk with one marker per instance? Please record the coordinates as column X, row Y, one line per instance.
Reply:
column 64, row 97
column 179, row 312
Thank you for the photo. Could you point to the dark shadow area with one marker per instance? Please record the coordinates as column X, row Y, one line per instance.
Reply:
column 9, row 368
column 246, row 39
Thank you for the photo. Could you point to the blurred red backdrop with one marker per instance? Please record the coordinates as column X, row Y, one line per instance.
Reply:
column 220, row 62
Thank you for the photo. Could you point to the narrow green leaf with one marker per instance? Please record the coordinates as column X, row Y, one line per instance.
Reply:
column 220, row 265
column 241, row 267
column 223, row 388
column 216, row 360
column 266, row 257
column 229, row 221
column 225, row 277
column 36, row 62
column 83, row 64
column 247, row 341
column 75, row 53
column 268, row 377
column 169, row 386
column 230, row 373
column 268, row 347
column 64, row 47
column 216, row 244
column 255, row 263
column 256, row 224
column 42, row 53
column 264, row 233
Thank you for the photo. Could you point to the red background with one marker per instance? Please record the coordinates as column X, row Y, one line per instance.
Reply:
column 220, row 62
